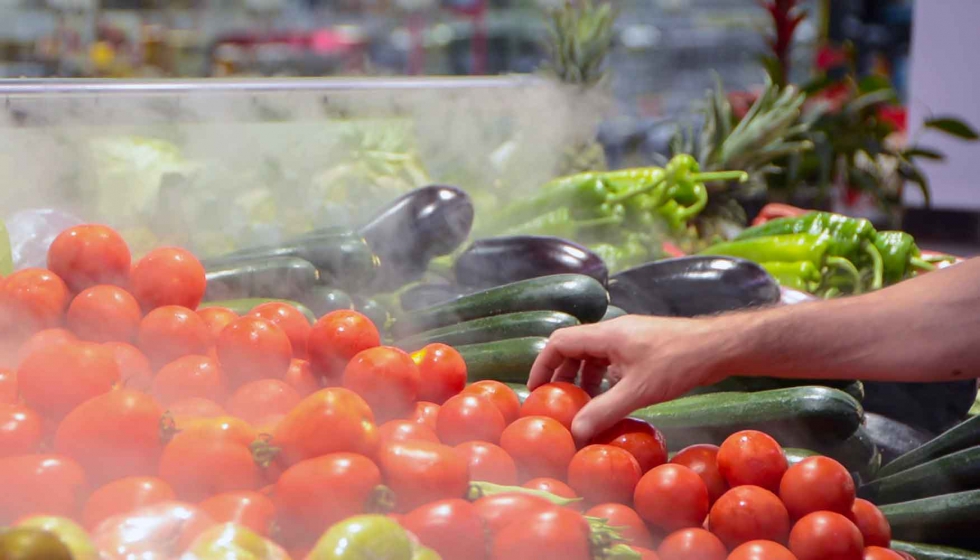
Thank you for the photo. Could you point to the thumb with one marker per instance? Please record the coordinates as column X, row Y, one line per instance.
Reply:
column 605, row 410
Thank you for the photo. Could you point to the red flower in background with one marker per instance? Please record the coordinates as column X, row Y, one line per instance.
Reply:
column 895, row 115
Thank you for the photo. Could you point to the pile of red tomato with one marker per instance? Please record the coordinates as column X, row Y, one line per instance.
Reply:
column 149, row 422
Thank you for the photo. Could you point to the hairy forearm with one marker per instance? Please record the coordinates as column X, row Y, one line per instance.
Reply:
column 925, row 329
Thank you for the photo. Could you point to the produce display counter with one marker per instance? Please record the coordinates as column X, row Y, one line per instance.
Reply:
column 305, row 329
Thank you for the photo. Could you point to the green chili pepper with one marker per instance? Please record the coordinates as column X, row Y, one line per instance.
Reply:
column 777, row 248
column 559, row 223
column 800, row 275
column 848, row 233
column 6, row 258
column 899, row 254
column 621, row 257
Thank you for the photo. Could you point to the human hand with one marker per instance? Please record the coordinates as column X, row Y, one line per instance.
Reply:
column 649, row 360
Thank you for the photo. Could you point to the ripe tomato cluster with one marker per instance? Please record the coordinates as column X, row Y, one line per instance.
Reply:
column 163, row 430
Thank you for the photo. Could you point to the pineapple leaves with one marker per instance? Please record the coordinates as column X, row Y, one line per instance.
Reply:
column 953, row 127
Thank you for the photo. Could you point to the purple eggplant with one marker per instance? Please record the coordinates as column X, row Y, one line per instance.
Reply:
column 693, row 286
column 497, row 261
column 418, row 226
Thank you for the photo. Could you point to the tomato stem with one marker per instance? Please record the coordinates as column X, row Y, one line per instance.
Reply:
column 263, row 452
column 382, row 500
column 168, row 427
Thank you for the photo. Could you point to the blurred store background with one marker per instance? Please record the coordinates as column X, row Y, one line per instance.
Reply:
column 665, row 54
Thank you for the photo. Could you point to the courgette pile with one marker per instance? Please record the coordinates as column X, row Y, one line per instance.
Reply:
column 932, row 493
column 500, row 331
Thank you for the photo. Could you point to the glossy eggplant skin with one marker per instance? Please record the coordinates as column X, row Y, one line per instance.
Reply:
column 693, row 286
column 426, row 295
column 422, row 224
column 496, row 261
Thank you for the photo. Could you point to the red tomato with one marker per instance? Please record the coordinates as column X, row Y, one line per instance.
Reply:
column 501, row 395
column 691, row 544
column 290, row 320
column 104, row 313
column 134, row 367
column 627, row 522
column 880, row 553
column 386, row 378
column 216, row 319
column 42, row 383
column 872, row 523
column 752, row 458
column 825, row 535
column 328, row 421
column 405, row 430
column 113, row 435
column 47, row 338
column 498, row 510
column 261, row 399
column 188, row 410
column 469, row 418
column 90, row 254
column 37, row 298
column 540, row 446
column 645, row 553
column 761, row 550
column 442, row 372
column 124, row 496
column 300, row 377
column 211, row 456
column 488, row 462
column 157, row 531
column 168, row 276
column 40, row 484
column 171, row 332
column 603, row 473
column 425, row 413
column 189, row 377
column 555, row 533
column 316, row 493
column 641, row 439
column 336, row 338
column 245, row 508
column 8, row 387
column 749, row 513
column 21, row 430
column 671, row 497
column 703, row 459
column 557, row 400
column 421, row 471
column 453, row 528
column 253, row 348
column 817, row 484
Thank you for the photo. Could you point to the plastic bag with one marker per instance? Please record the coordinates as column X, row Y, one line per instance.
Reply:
column 32, row 231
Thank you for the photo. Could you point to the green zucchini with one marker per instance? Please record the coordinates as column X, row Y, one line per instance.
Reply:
column 509, row 361
column 324, row 299
column 243, row 306
column 858, row 453
column 373, row 310
column 795, row 454
column 933, row 552
column 281, row 277
column 343, row 258
column 520, row 389
column 949, row 519
column 955, row 472
column 747, row 384
column 808, row 417
column 581, row 296
column 613, row 312
column 489, row 329
column 963, row 435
